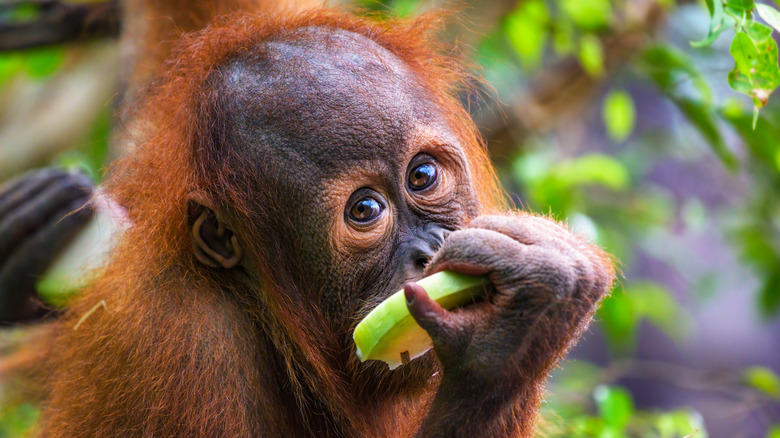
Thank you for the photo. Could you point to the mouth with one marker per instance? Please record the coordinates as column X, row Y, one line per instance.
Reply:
column 389, row 333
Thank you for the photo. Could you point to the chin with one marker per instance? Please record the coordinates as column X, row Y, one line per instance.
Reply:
column 375, row 377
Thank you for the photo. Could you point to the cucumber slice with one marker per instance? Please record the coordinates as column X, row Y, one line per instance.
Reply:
column 90, row 249
column 390, row 334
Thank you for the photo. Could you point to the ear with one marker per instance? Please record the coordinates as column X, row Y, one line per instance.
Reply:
column 212, row 242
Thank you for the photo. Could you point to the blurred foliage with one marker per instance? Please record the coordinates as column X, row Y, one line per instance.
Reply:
column 16, row 420
column 594, row 409
column 92, row 157
column 609, row 192
column 37, row 63
column 42, row 65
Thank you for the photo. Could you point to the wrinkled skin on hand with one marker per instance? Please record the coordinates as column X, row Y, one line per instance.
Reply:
column 40, row 213
column 546, row 284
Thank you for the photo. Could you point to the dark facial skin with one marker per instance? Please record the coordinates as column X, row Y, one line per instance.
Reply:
column 369, row 179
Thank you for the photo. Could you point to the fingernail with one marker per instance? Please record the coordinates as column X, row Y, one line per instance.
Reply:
column 409, row 294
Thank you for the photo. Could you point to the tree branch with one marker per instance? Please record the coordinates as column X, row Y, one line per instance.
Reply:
column 57, row 22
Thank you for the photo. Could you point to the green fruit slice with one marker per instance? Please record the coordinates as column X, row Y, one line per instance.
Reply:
column 89, row 250
column 390, row 334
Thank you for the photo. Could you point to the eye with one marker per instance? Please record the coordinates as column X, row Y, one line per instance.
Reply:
column 365, row 210
column 422, row 176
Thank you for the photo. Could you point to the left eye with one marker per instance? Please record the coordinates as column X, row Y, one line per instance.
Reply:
column 365, row 210
column 422, row 176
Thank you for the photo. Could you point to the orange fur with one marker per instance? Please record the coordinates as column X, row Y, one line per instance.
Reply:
column 184, row 350
column 170, row 354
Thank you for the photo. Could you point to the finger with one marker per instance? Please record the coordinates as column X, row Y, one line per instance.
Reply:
column 30, row 176
column 21, row 270
column 525, row 228
column 53, row 202
column 21, row 189
column 476, row 251
column 450, row 332
column 36, row 254
column 428, row 313
column 516, row 270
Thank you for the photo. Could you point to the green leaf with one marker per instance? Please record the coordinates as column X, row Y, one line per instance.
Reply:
column 744, row 52
column 579, row 375
column 762, row 379
column 583, row 427
column 769, row 296
column 703, row 119
column 666, row 65
column 770, row 15
column 711, row 6
column 619, row 320
column 591, row 55
column 23, row 13
column 761, row 143
column 774, row 432
column 711, row 37
column 615, row 405
column 563, row 39
column 740, row 5
column 42, row 62
column 657, row 305
column 759, row 32
column 777, row 159
column 755, row 72
column 611, row 432
column 18, row 420
column 680, row 423
column 10, row 65
column 716, row 24
column 619, row 115
column 405, row 8
column 588, row 15
column 593, row 169
column 526, row 30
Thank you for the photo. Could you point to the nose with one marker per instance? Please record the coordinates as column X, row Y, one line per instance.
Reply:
column 419, row 254
column 436, row 234
column 425, row 244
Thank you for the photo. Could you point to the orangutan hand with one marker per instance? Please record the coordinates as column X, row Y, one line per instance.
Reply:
column 40, row 213
column 546, row 284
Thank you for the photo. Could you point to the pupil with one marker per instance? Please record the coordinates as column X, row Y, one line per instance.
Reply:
column 365, row 210
column 422, row 176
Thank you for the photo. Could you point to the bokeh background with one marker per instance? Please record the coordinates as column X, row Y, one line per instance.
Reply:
column 597, row 112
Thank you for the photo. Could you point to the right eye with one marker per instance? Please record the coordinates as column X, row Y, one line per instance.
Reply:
column 365, row 210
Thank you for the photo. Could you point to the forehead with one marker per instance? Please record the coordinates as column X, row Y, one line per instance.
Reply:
column 319, row 97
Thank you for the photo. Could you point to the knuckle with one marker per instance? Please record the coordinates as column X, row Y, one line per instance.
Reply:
column 74, row 187
column 83, row 180
column 552, row 272
column 46, row 174
column 476, row 241
column 485, row 221
column 528, row 252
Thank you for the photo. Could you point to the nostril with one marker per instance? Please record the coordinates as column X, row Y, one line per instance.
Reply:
column 420, row 249
column 421, row 262
column 419, row 255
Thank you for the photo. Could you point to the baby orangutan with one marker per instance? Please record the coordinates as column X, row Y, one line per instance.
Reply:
column 293, row 172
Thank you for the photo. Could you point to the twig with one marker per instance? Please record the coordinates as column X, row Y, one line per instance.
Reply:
column 94, row 308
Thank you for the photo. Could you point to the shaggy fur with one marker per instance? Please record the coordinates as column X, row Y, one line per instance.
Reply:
column 180, row 349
